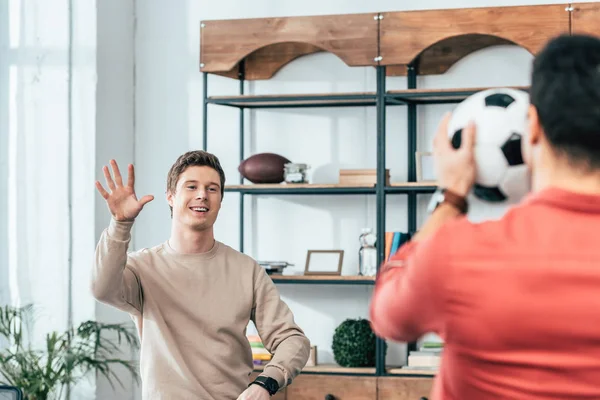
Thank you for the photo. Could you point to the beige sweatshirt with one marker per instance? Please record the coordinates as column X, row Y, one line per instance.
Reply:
column 191, row 312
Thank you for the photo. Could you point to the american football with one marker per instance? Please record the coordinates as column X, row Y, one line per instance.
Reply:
column 264, row 168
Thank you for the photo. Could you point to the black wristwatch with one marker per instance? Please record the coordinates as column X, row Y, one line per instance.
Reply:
column 267, row 382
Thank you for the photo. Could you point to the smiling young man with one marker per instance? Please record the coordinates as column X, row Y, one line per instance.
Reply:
column 516, row 300
column 192, row 296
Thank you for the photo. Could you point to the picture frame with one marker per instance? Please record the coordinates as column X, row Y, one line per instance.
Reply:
column 324, row 262
column 425, row 166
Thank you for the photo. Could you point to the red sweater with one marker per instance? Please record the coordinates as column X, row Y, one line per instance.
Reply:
column 516, row 301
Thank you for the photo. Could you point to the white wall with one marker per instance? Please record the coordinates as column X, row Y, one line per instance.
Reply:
column 115, row 124
column 167, row 121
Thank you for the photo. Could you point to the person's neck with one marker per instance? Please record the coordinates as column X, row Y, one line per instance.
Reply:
column 188, row 241
column 557, row 172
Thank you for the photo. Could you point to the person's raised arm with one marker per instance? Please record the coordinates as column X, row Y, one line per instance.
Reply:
column 114, row 280
column 405, row 302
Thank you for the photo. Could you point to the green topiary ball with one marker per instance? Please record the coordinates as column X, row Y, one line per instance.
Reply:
column 354, row 344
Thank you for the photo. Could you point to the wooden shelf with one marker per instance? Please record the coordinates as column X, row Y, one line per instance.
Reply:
column 433, row 96
column 300, row 188
column 330, row 188
column 393, row 97
column 413, row 184
column 296, row 100
column 411, row 187
column 324, row 279
column 411, row 372
column 294, row 186
column 332, row 369
column 336, row 369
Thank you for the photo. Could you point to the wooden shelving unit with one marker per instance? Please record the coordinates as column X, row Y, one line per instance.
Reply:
column 405, row 43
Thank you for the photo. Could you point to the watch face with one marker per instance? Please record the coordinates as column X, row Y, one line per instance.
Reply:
column 436, row 199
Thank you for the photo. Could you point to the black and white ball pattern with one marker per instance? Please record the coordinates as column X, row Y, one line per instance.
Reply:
column 500, row 117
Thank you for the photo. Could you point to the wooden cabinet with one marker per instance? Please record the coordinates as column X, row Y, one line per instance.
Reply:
column 332, row 387
column 403, row 388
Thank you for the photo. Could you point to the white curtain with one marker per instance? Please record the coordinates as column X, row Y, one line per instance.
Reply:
column 47, row 142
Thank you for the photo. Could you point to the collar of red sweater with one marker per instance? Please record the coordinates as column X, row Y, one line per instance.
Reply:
column 561, row 198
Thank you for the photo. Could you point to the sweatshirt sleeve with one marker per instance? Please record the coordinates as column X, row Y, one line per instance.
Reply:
column 406, row 300
column 278, row 331
column 114, row 280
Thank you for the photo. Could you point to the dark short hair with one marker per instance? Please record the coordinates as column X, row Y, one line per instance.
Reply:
column 190, row 159
column 565, row 90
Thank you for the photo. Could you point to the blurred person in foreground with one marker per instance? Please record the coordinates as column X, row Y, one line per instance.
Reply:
column 515, row 300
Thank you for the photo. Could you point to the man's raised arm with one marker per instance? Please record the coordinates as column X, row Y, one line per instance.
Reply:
column 114, row 280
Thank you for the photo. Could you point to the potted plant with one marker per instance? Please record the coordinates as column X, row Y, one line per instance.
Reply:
column 43, row 374
column 354, row 344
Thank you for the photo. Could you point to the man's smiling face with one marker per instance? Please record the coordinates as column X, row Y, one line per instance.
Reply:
column 197, row 199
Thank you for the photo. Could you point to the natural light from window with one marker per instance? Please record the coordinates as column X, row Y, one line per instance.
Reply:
column 13, row 36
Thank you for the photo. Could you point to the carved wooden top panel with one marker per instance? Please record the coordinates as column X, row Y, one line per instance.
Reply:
column 433, row 40
column 586, row 18
column 405, row 35
column 352, row 37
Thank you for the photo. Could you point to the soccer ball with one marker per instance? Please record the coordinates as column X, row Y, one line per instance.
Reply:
column 500, row 117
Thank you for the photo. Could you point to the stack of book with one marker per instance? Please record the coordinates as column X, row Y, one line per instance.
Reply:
column 361, row 177
column 260, row 355
column 393, row 241
column 428, row 357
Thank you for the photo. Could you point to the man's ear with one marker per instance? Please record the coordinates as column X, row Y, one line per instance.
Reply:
column 170, row 198
column 535, row 128
column 533, row 135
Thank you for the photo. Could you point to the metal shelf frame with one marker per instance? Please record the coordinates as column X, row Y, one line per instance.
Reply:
column 381, row 99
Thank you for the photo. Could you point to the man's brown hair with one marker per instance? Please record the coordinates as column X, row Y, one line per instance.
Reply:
column 193, row 158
